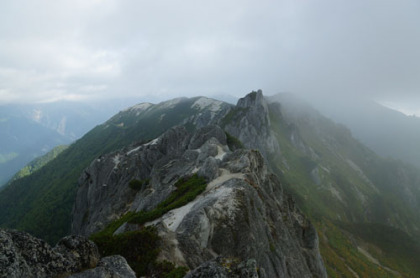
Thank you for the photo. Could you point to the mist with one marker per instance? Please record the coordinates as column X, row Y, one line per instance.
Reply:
column 343, row 57
column 90, row 50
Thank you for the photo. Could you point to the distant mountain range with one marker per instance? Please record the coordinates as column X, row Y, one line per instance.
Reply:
column 28, row 131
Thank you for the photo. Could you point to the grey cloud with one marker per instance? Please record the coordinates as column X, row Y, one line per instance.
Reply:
column 78, row 49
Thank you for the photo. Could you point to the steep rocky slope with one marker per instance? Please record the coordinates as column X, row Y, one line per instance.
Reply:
column 27, row 203
column 362, row 186
column 386, row 131
column 242, row 213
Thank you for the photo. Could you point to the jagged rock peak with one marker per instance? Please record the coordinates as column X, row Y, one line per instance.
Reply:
column 253, row 99
column 250, row 123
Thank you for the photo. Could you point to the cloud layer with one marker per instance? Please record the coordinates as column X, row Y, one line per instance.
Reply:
column 87, row 49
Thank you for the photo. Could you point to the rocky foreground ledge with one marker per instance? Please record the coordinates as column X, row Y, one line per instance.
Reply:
column 22, row 255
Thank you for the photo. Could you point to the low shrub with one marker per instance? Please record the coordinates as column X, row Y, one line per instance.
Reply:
column 233, row 142
column 186, row 191
column 139, row 248
column 138, row 184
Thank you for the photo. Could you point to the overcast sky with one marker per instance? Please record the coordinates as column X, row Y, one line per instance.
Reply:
column 86, row 49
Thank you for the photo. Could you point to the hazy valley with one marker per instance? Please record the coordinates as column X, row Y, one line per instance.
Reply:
column 29, row 131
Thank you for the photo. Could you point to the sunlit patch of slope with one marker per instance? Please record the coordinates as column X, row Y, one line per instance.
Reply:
column 28, row 131
column 39, row 162
column 21, row 141
column 41, row 203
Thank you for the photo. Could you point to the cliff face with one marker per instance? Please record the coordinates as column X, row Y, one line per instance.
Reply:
column 243, row 213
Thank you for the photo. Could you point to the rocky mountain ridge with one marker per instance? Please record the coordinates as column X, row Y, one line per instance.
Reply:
column 362, row 206
column 243, row 212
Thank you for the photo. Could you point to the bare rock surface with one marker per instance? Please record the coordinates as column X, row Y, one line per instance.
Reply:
column 226, row 268
column 23, row 255
column 108, row 267
column 250, row 123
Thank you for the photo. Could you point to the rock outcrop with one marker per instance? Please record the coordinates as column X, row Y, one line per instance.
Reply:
column 242, row 215
column 112, row 267
column 250, row 122
column 23, row 255
column 226, row 268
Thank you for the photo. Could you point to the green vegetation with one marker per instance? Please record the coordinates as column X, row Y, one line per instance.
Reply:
column 138, row 184
column 253, row 95
column 233, row 142
column 39, row 162
column 140, row 248
column 397, row 249
column 167, row 269
column 186, row 190
column 341, row 256
column 233, row 115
